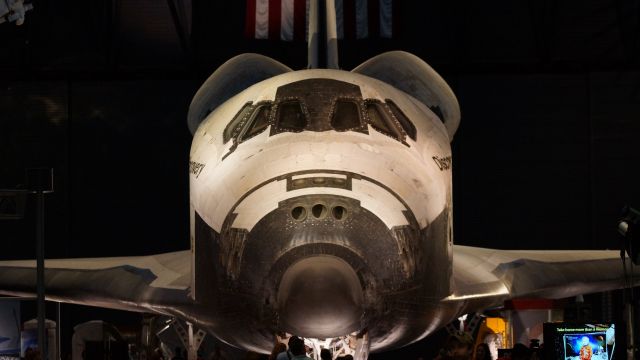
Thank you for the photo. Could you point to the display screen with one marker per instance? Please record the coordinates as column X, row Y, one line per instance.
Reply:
column 9, row 329
column 566, row 341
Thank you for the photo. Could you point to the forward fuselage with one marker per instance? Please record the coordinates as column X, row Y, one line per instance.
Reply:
column 321, row 205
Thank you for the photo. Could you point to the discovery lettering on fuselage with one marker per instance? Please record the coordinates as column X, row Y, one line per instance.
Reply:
column 195, row 168
column 443, row 163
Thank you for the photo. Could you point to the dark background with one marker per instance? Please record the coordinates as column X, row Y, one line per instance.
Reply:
column 546, row 155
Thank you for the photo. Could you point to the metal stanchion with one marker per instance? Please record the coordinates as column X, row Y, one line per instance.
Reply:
column 58, row 332
column 40, row 182
column 629, row 228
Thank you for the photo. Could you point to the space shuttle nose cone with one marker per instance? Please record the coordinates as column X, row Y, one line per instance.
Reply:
column 320, row 297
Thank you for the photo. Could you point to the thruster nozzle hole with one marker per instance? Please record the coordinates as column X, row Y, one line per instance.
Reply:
column 339, row 212
column 319, row 211
column 299, row 213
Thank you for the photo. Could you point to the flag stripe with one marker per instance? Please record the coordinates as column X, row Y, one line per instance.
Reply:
column 250, row 19
column 262, row 19
column 373, row 12
column 386, row 18
column 339, row 19
column 286, row 20
column 395, row 19
column 362, row 26
column 349, row 16
column 274, row 19
column 299, row 19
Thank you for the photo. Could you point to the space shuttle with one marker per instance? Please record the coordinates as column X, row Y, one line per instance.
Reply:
column 320, row 205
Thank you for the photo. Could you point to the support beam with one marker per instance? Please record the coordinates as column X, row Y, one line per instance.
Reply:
column 190, row 340
column 40, row 182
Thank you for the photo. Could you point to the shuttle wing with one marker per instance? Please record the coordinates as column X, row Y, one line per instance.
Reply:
column 145, row 283
column 486, row 277
column 160, row 283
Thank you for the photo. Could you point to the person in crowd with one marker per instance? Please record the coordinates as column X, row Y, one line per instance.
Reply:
column 286, row 354
column 277, row 349
column 482, row 352
column 296, row 347
column 325, row 354
column 459, row 346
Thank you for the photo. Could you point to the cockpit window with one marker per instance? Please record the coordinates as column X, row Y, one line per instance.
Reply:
column 407, row 125
column 381, row 121
column 290, row 116
column 346, row 115
column 257, row 123
column 235, row 125
column 318, row 105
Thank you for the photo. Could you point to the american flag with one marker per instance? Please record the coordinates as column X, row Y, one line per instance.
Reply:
column 287, row 19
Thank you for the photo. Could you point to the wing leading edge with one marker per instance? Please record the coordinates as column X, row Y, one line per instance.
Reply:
column 155, row 283
column 486, row 277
